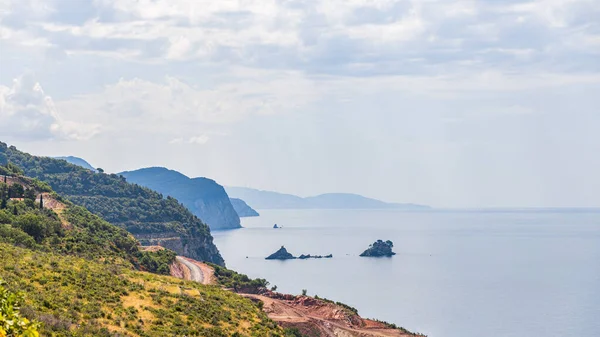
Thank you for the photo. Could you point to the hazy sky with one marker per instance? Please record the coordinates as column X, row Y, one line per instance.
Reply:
column 447, row 103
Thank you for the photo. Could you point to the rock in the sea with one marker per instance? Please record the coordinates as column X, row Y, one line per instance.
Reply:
column 380, row 248
column 281, row 254
column 308, row 256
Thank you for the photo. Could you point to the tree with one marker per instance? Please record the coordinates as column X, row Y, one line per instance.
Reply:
column 15, row 211
column 16, row 191
column 29, row 194
column 100, row 170
column 304, row 291
column 41, row 201
column 33, row 225
column 3, row 203
column 11, row 322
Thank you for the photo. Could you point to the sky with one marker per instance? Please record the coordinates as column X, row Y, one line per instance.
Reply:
column 445, row 103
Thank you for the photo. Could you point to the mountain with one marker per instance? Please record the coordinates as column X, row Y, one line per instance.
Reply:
column 151, row 218
column 77, row 161
column 266, row 199
column 203, row 197
column 273, row 200
column 242, row 208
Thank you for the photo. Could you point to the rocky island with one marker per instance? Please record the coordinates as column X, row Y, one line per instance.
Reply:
column 281, row 254
column 379, row 248
column 308, row 256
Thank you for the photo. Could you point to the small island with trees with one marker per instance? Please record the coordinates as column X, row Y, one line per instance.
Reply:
column 380, row 248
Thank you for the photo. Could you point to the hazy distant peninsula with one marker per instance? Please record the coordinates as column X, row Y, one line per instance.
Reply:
column 77, row 161
column 202, row 196
column 242, row 208
column 274, row 200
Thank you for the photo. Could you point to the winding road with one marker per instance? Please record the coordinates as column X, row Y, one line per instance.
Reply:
column 195, row 271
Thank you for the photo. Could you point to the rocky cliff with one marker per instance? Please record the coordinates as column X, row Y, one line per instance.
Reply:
column 203, row 197
column 242, row 208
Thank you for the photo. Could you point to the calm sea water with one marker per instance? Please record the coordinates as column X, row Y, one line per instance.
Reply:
column 457, row 274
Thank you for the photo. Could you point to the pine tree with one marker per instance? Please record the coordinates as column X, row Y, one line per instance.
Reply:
column 3, row 203
column 15, row 211
column 41, row 202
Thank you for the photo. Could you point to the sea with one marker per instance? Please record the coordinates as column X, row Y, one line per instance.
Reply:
column 457, row 273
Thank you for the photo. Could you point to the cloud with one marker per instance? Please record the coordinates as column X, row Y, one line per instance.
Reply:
column 175, row 109
column 351, row 38
column 200, row 140
column 27, row 112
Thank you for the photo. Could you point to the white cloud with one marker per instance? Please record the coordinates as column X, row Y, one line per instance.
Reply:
column 179, row 47
column 381, row 35
column 200, row 140
column 27, row 112
column 174, row 108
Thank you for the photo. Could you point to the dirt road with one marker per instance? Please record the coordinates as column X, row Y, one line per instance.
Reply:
column 195, row 271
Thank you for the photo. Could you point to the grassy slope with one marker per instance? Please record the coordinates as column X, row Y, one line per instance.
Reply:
column 76, row 297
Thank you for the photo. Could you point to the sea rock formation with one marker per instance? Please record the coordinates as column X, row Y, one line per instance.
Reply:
column 308, row 256
column 281, row 254
column 379, row 248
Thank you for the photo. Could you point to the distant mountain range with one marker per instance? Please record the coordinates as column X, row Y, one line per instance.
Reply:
column 202, row 196
column 77, row 161
column 210, row 201
column 274, row 200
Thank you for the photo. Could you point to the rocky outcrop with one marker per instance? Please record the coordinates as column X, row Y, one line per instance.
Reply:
column 379, row 248
column 202, row 196
column 308, row 256
column 242, row 208
column 281, row 254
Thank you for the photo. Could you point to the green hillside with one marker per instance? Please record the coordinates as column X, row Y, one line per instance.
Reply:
column 54, row 224
column 74, row 297
column 82, row 276
column 152, row 218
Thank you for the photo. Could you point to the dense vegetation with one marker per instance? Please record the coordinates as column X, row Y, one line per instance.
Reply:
column 238, row 282
column 71, row 296
column 139, row 210
column 25, row 222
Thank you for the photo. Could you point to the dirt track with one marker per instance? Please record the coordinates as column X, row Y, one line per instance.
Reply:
column 196, row 271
